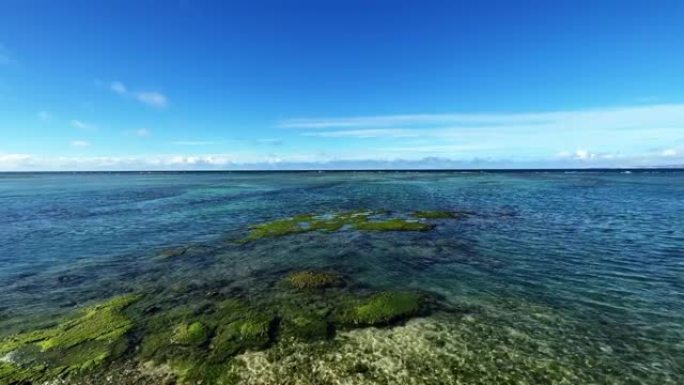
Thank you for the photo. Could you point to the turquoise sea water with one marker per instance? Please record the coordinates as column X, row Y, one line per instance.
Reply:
column 554, row 277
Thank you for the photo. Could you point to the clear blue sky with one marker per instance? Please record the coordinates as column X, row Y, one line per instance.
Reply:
column 89, row 85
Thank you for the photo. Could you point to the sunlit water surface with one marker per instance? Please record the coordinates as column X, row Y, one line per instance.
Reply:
column 580, row 274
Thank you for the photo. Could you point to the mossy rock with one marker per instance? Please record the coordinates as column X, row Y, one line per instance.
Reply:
column 279, row 228
column 193, row 334
column 438, row 214
column 358, row 219
column 249, row 333
column 395, row 224
column 308, row 279
column 197, row 370
column 75, row 345
column 305, row 327
column 384, row 308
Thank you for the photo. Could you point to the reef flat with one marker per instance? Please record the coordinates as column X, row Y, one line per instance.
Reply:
column 196, row 342
column 342, row 278
column 361, row 220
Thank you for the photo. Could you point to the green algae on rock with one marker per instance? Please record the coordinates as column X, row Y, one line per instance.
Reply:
column 384, row 308
column 190, row 334
column 305, row 327
column 359, row 220
column 438, row 214
column 395, row 224
column 308, row 279
column 251, row 332
column 75, row 345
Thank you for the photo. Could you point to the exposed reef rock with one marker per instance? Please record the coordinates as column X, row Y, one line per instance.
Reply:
column 384, row 308
column 72, row 346
column 360, row 220
column 192, row 340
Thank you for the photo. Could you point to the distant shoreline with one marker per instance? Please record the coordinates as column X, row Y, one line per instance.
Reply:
column 474, row 170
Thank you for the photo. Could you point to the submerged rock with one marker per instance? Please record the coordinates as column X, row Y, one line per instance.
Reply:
column 305, row 327
column 190, row 334
column 253, row 331
column 361, row 220
column 308, row 279
column 384, row 308
column 395, row 224
column 75, row 345
column 439, row 214
column 183, row 251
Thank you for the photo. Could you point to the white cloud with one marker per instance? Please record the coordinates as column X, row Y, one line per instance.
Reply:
column 664, row 115
column 151, row 98
column 80, row 143
column 365, row 133
column 584, row 154
column 670, row 152
column 118, row 87
column 318, row 161
column 83, row 126
column 15, row 161
column 45, row 116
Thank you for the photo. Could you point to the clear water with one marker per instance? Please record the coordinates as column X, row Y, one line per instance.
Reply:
column 584, row 271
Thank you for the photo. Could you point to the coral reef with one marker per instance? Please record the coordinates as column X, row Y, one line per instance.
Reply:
column 191, row 340
column 362, row 220
column 74, row 345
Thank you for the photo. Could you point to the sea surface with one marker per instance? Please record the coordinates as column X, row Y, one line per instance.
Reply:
column 552, row 278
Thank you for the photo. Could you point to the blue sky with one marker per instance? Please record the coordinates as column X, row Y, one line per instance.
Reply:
column 121, row 85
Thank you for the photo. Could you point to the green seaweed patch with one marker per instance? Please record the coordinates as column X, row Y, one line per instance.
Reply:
column 75, row 345
column 308, row 279
column 193, row 334
column 384, row 308
column 395, row 224
column 358, row 220
column 280, row 227
column 252, row 332
column 305, row 327
column 438, row 214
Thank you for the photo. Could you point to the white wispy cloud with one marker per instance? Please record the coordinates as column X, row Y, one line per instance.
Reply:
column 632, row 117
column 83, row 125
column 80, row 143
column 151, row 98
column 118, row 87
column 366, row 133
column 618, row 133
column 315, row 161
column 670, row 152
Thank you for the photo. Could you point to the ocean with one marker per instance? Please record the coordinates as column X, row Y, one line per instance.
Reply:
column 526, row 277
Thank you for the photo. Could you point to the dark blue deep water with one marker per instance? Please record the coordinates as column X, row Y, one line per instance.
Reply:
column 580, row 275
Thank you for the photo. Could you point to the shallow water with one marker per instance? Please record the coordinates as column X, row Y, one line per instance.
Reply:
column 576, row 274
